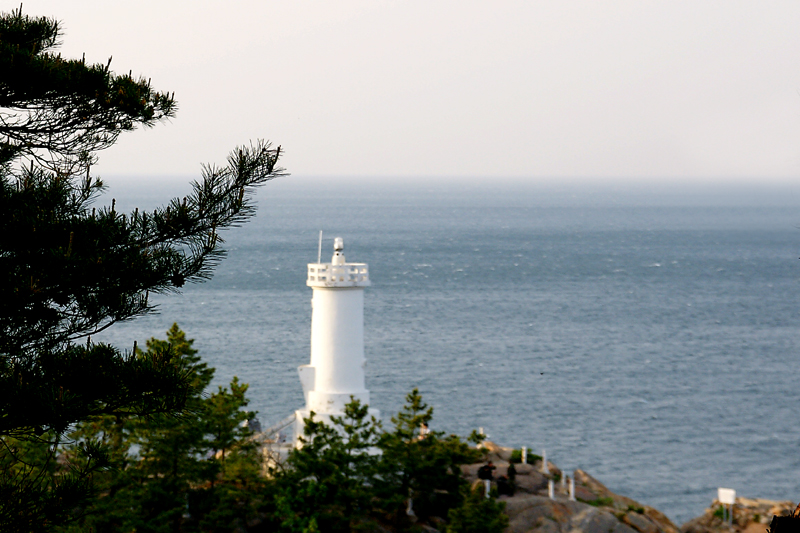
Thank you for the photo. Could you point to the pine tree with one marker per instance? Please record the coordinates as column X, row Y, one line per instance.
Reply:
column 352, row 476
column 225, row 419
column 235, row 494
column 171, row 449
column 60, row 111
column 424, row 467
column 168, row 474
column 478, row 514
column 71, row 270
column 329, row 482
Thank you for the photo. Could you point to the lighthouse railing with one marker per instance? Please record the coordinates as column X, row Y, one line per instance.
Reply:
column 347, row 273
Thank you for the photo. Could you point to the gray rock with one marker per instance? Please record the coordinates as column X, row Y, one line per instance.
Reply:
column 532, row 483
column 531, row 511
column 622, row 528
column 640, row 523
column 592, row 520
column 536, row 513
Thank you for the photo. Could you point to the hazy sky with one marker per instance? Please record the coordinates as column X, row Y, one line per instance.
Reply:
column 650, row 90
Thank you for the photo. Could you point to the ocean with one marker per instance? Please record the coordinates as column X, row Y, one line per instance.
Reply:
column 647, row 334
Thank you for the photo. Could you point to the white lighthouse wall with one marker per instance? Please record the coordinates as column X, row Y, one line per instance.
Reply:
column 307, row 373
column 337, row 348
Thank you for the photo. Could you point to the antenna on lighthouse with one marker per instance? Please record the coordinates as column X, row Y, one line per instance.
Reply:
column 319, row 250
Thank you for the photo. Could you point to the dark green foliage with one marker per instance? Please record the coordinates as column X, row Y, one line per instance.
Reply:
column 478, row 514
column 329, row 483
column 424, row 468
column 201, row 471
column 37, row 489
column 223, row 419
column 516, row 457
column 337, row 482
column 70, row 270
column 599, row 502
column 197, row 471
column 48, row 392
column 64, row 109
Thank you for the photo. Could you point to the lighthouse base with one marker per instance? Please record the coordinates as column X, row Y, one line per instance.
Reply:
column 334, row 402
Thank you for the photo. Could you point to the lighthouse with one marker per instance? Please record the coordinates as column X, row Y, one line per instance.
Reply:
column 335, row 374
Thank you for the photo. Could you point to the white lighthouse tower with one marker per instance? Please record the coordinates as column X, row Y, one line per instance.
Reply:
column 336, row 371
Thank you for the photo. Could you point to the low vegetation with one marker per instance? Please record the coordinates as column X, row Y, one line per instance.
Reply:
column 516, row 457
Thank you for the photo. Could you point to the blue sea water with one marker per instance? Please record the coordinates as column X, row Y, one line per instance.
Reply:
column 646, row 334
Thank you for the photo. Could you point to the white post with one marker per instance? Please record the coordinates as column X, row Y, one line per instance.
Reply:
column 572, row 488
column 524, row 455
column 563, row 482
column 488, row 484
column 410, row 508
column 545, row 469
column 550, row 489
column 480, row 431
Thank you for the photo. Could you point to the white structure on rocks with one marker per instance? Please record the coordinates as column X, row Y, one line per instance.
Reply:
column 336, row 371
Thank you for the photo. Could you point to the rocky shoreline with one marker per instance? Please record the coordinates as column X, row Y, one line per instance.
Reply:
column 598, row 510
column 750, row 515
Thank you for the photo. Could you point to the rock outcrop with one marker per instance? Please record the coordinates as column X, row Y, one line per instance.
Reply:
column 750, row 515
column 597, row 509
